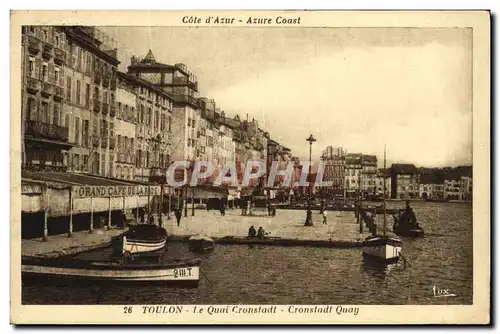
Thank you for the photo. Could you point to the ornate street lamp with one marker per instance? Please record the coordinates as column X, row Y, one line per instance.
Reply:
column 309, row 222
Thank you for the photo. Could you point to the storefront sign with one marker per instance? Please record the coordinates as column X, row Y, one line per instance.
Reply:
column 31, row 189
column 114, row 191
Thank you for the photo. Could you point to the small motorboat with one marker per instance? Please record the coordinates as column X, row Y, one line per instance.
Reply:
column 140, row 238
column 201, row 244
column 173, row 272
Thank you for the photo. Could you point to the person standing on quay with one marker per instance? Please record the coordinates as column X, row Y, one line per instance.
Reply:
column 178, row 215
column 324, row 217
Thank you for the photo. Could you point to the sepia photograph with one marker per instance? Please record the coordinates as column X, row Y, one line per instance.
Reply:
column 236, row 167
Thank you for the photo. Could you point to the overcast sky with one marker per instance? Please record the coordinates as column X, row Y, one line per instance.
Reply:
column 359, row 89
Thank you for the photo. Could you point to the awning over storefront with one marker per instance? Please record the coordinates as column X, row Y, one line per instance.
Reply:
column 55, row 191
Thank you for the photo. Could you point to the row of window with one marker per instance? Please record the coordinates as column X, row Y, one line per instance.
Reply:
column 148, row 159
column 145, row 92
column 45, row 71
column 76, row 94
column 43, row 111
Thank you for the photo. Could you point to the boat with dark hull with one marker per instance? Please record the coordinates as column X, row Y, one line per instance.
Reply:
column 72, row 271
column 201, row 244
column 406, row 227
column 140, row 238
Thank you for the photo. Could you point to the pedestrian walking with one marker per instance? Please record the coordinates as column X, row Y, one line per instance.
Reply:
column 178, row 215
column 324, row 217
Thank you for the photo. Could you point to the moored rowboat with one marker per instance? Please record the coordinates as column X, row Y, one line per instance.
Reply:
column 382, row 248
column 141, row 238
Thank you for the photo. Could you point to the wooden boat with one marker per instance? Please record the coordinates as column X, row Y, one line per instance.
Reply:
column 404, row 228
column 173, row 273
column 140, row 238
column 382, row 248
column 201, row 244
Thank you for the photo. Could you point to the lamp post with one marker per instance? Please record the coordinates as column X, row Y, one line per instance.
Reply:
column 309, row 222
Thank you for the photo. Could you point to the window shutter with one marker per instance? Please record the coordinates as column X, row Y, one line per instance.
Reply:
column 51, row 73
column 38, row 68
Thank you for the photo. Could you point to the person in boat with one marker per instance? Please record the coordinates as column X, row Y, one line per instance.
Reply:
column 409, row 216
column 261, row 234
column 396, row 222
column 252, row 233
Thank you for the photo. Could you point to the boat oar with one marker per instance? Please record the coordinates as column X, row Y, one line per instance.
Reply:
column 404, row 259
column 209, row 281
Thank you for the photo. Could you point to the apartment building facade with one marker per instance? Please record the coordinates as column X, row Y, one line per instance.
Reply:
column 89, row 102
column 353, row 170
column 333, row 159
column 45, row 128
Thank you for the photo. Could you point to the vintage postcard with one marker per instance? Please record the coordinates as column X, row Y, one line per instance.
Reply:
column 250, row 167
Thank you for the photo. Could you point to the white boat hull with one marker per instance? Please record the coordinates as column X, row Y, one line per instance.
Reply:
column 185, row 273
column 383, row 252
column 133, row 246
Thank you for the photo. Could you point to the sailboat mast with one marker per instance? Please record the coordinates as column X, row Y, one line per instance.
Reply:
column 385, row 211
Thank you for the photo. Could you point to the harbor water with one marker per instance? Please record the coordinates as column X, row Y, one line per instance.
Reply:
column 301, row 275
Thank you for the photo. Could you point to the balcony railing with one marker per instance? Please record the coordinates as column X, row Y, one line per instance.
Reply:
column 59, row 56
column 105, row 108
column 44, row 130
column 34, row 45
column 185, row 81
column 47, row 89
column 59, row 93
column 34, row 85
column 47, row 51
column 112, row 143
column 187, row 99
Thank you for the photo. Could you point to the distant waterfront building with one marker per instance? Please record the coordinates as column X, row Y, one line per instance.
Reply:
column 431, row 186
column 369, row 175
column 452, row 185
column 353, row 171
column 381, row 177
column 404, row 181
column 466, row 188
column 334, row 169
